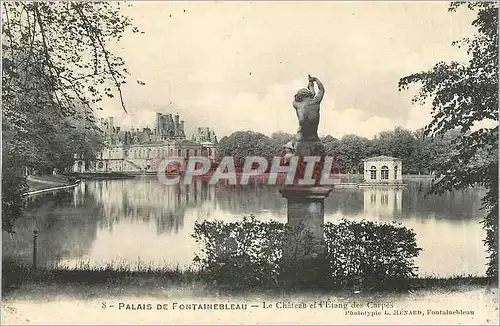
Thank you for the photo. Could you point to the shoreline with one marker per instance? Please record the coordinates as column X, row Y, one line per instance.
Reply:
column 54, row 187
column 20, row 277
column 147, row 284
column 350, row 181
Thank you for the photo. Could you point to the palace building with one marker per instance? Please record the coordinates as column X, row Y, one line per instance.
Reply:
column 143, row 150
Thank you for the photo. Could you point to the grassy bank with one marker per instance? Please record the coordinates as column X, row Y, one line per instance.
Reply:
column 147, row 281
column 97, row 280
column 40, row 182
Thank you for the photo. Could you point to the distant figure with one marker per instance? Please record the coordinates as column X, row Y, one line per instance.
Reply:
column 307, row 105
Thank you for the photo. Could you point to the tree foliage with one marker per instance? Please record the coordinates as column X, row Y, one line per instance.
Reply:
column 352, row 150
column 463, row 94
column 282, row 137
column 67, row 44
column 248, row 143
column 57, row 67
column 420, row 154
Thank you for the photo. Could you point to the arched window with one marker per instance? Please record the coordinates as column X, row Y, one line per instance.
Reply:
column 384, row 175
column 100, row 165
column 396, row 172
column 373, row 173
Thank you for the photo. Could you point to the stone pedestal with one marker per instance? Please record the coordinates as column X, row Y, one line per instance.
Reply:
column 306, row 202
column 303, row 255
column 306, row 205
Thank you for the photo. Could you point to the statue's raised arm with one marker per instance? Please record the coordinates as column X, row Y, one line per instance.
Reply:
column 321, row 92
column 310, row 86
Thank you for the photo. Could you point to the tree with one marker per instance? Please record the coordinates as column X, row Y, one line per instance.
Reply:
column 441, row 148
column 67, row 138
column 332, row 148
column 463, row 94
column 241, row 144
column 403, row 144
column 66, row 42
column 55, row 58
column 352, row 150
column 282, row 137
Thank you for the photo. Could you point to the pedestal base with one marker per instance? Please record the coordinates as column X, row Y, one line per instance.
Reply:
column 303, row 253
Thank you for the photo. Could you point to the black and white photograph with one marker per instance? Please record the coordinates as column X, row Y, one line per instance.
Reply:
column 250, row 162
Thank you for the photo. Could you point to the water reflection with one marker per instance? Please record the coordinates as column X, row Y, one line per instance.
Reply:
column 127, row 221
column 65, row 228
column 146, row 200
column 383, row 202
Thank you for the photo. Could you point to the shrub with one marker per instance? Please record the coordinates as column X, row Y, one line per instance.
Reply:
column 378, row 253
column 239, row 254
column 250, row 254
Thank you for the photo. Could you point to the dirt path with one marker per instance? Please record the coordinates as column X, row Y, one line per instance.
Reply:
column 69, row 307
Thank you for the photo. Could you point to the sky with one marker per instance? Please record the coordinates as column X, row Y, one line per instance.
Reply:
column 236, row 66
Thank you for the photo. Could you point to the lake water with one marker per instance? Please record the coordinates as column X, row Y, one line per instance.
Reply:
column 142, row 222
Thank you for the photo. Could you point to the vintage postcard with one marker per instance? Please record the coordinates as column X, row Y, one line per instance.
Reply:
column 202, row 162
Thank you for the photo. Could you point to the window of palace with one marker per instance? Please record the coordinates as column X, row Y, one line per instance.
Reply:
column 373, row 173
column 384, row 173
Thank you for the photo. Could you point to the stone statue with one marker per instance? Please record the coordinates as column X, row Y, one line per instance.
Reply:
column 307, row 142
column 307, row 104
